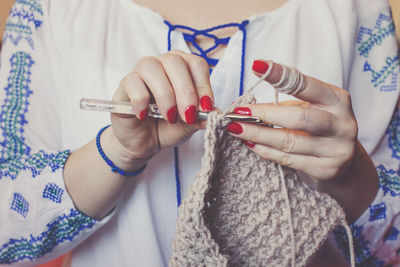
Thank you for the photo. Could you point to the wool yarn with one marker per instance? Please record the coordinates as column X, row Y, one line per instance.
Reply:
column 242, row 210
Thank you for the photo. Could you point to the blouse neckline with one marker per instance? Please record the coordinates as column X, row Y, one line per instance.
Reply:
column 252, row 19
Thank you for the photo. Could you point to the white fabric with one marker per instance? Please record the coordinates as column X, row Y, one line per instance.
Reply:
column 84, row 49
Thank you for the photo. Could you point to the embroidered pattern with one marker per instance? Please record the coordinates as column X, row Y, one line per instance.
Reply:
column 63, row 228
column 391, row 234
column 53, row 192
column 20, row 205
column 15, row 154
column 389, row 181
column 364, row 257
column 391, row 86
column 379, row 77
column 370, row 38
column 377, row 212
column 25, row 17
column 375, row 35
column 393, row 133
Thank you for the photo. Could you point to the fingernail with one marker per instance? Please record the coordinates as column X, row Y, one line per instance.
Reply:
column 249, row 143
column 206, row 103
column 143, row 115
column 191, row 115
column 242, row 111
column 172, row 114
column 234, row 128
column 260, row 66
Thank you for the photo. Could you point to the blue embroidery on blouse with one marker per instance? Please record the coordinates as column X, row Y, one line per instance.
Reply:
column 377, row 212
column 63, row 228
column 393, row 133
column 389, row 181
column 363, row 255
column 383, row 76
column 376, row 35
column 380, row 76
column 20, row 205
column 392, row 86
column 25, row 17
column 391, row 234
column 53, row 192
column 15, row 154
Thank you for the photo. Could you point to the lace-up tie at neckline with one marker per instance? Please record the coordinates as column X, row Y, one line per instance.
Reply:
column 190, row 36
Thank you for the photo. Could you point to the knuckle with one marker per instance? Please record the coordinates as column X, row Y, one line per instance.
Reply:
column 142, row 98
column 288, row 142
column 177, row 51
column 350, row 129
column 128, row 79
column 263, row 153
column 346, row 152
column 198, row 61
column 301, row 120
column 251, row 135
column 146, row 62
column 286, row 160
column 345, row 97
column 171, row 58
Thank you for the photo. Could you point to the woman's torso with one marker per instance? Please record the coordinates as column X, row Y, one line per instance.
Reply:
column 108, row 37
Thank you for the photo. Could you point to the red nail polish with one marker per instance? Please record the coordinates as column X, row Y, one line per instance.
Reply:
column 260, row 66
column 143, row 115
column 191, row 115
column 249, row 143
column 172, row 114
column 206, row 103
column 234, row 128
column 242, row 111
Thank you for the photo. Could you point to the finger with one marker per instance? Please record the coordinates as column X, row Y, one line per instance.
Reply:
column 287, row 141
column 313, row 166
column 180, row 78
column 136, row 91
column 152, row 73
column 299, row 117
column 200, row 73
column 291, row 81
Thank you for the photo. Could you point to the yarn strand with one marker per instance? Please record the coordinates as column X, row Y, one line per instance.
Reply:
column 289, row 213
column 351, row 244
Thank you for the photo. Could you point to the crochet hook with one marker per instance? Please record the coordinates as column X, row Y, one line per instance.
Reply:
column 126, row 108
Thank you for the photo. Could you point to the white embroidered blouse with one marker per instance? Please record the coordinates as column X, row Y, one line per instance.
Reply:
column 56, row 52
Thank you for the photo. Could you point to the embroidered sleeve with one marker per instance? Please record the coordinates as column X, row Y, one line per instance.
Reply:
column 38, row 220
column 375, row 91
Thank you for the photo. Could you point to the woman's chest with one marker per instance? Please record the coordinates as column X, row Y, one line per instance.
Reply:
column 96, row 63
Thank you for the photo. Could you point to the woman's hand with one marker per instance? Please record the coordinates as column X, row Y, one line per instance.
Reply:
column 318, row 136
column 177, row 82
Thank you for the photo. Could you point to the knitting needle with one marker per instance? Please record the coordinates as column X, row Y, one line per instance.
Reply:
column 126, row 108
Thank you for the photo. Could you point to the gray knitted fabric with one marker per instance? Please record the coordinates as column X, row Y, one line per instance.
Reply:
column 236, row 211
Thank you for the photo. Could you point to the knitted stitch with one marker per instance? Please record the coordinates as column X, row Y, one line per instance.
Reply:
column 236, row 211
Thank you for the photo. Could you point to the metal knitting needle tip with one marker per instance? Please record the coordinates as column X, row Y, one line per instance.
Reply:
column 244, row 118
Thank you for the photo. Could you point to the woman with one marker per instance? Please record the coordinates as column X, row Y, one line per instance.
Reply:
column 57, row 181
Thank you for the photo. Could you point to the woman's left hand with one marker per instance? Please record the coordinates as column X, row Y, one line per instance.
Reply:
column 318, row 135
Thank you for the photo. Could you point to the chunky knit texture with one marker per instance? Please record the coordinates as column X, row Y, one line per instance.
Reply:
column 236, row 211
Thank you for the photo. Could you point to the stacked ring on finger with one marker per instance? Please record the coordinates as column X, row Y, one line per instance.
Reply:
column 291, row 82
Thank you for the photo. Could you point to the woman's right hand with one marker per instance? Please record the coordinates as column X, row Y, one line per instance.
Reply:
column 177, row 82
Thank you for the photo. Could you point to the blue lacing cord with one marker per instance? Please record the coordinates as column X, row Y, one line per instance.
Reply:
column 211, row 62
column 177, row 180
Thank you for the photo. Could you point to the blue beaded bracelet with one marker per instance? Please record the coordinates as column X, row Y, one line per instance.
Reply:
column 110, row 163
